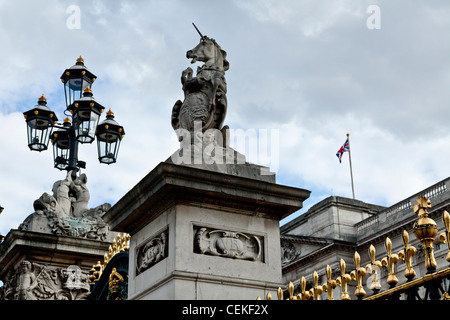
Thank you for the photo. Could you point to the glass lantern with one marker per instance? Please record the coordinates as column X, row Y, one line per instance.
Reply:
column 76, row 79
column 109, row 135
column 61, row 146
column 39, row 120
column 86, row 113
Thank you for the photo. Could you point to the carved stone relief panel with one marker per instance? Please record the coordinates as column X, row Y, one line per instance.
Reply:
column 228, row 244
column 289, row 252
column 151, row 252
column 33, row 281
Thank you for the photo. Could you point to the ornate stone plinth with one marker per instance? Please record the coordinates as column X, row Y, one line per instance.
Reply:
column 199, row 234
column 49, row 256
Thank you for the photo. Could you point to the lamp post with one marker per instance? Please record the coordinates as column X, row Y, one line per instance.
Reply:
column 85, row 112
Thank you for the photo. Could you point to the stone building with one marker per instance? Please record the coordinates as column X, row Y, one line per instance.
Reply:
column 336, row 227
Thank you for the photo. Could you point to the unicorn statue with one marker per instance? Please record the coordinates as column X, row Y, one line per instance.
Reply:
column 198, row 120
column 205, row 99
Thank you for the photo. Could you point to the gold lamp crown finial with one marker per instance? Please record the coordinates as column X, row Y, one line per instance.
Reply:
column 67, row 120
column 88, row 89
column 42, row 98
column 110, row 113
column 80, row 59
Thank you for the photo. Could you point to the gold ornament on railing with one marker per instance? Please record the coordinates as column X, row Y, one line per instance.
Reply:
column 305, row 295
column 425, row 229
column 95, row 273
column 444, row 236
column 114, row 279
column 317, row 289
column 406, row 256
column 291, row 292
column 120, row 244
column 280, row 291
column 331, row 284
column 343, row 281
column 358, row 275
column 373, row 269
column 389, row 262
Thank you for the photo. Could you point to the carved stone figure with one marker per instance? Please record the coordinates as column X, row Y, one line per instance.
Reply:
column 27, row 281
column 204, row 95
column 198, row 119
column 288, row 252
column 80, row 206
column 66, row 212
column 61, row 191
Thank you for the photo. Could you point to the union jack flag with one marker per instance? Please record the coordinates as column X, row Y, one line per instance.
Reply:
column 345, row 147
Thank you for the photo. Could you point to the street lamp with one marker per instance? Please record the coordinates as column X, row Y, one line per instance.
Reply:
column 83, row 128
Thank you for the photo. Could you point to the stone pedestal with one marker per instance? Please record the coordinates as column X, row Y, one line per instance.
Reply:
column 199, row 234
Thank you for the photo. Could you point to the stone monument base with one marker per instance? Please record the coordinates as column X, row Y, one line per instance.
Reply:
column 199, row 234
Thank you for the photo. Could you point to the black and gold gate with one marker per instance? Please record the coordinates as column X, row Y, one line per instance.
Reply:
column 109, row 280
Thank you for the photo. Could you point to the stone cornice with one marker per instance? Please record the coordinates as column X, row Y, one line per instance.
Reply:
column 169, row 184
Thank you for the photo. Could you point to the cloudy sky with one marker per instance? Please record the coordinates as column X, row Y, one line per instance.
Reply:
column 307, row 71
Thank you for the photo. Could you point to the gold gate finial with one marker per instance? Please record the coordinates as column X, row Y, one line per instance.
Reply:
column 343, row 281
column 358, row 275
column 331, row 284
column 425, row 229
column 389, row 262
column 406, row 256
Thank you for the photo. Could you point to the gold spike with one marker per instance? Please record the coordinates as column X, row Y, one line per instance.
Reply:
column 280, row 294
column 370, row 268
column 345, row 279
column 291, row 291
column 359, row 274
column 389, row 262
column 331, row 284
column 305, row 294
column 269, row 296
column 406, row 255
column 318, row 290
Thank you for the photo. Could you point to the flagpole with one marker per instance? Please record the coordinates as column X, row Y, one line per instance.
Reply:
column 350, row 162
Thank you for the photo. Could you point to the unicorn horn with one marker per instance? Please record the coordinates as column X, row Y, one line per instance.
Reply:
column 198, row 30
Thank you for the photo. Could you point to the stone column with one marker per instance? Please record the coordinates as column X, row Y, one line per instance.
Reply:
column 199, row 234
